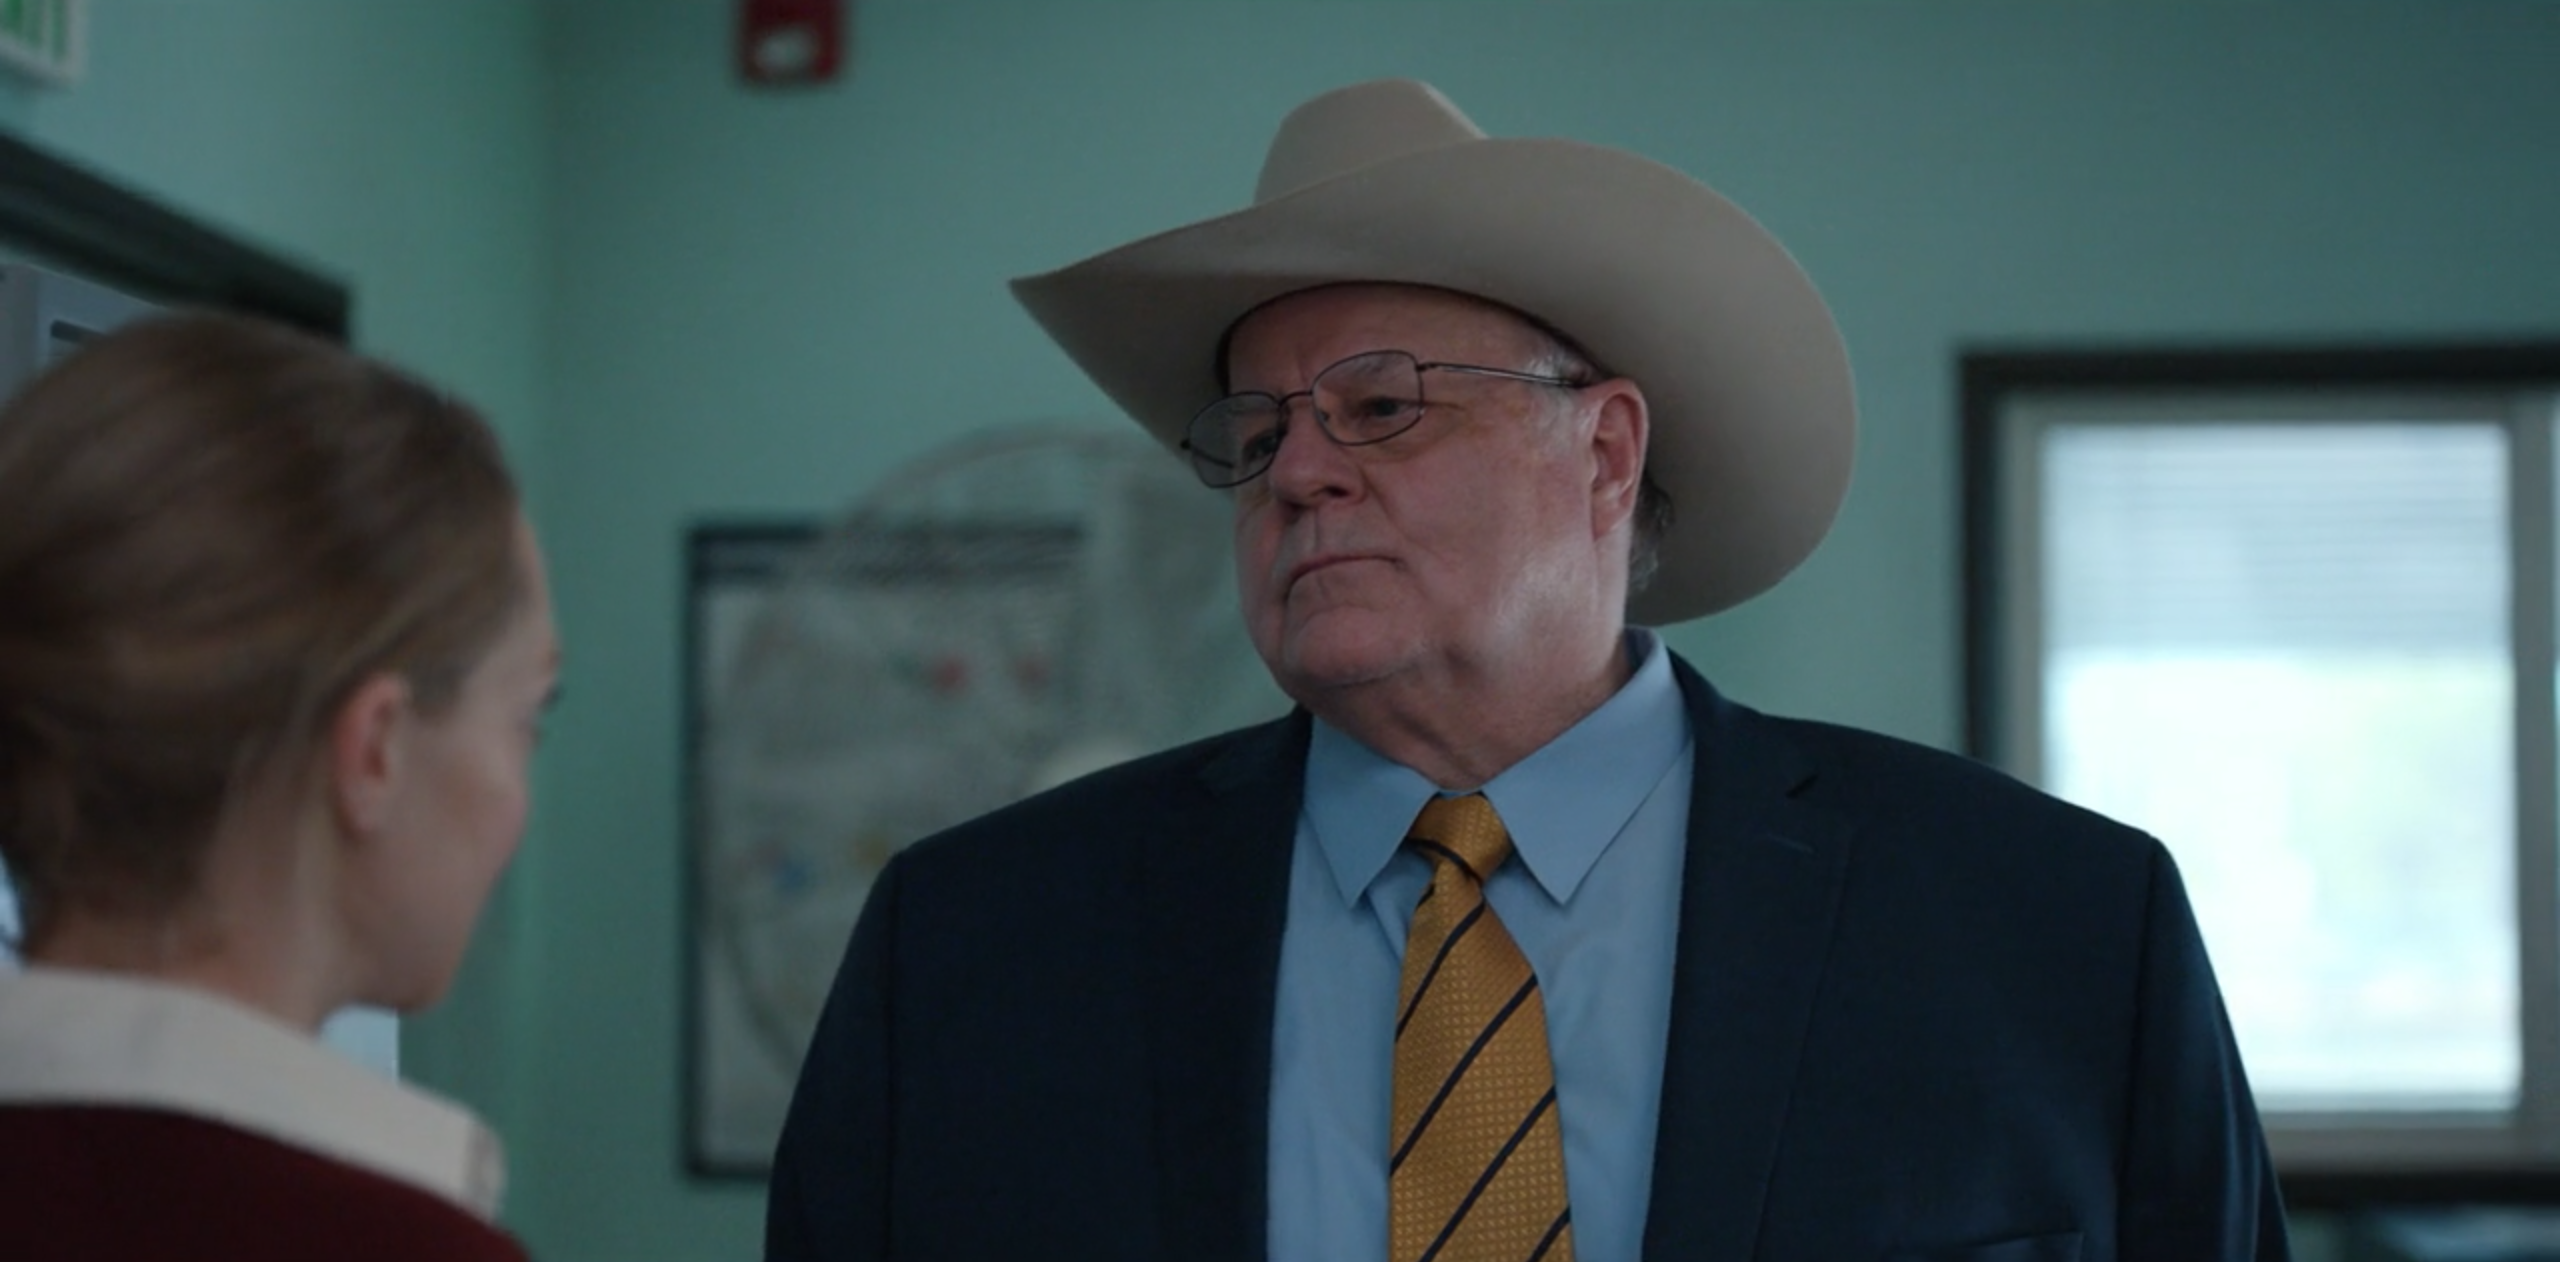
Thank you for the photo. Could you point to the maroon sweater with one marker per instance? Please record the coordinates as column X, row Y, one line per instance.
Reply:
column 84, row 1183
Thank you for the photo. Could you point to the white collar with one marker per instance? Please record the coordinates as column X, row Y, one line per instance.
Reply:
column 76, row 1037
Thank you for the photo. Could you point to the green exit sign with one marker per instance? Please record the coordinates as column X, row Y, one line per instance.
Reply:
column 42, row 38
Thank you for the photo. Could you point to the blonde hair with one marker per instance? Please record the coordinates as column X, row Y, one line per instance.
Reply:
column 212, row 530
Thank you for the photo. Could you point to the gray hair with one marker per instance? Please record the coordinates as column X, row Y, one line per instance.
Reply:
column 1556, row 355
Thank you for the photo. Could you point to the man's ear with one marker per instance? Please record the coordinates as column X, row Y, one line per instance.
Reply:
column 1619, row 437
column 367, row 747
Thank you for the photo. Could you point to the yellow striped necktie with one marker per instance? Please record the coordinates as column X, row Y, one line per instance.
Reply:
column 1476, row 1155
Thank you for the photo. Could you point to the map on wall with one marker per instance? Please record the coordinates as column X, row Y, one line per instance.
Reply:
column 1017, row 608
column 792, row 827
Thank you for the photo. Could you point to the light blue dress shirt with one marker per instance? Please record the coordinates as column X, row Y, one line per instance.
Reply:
column 1599, row 823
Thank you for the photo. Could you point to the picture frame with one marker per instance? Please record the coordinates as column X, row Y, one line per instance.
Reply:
column 734, row 1088
column 847, row 691
column 991, row 623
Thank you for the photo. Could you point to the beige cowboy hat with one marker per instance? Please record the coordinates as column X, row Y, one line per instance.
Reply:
column 1655, row 274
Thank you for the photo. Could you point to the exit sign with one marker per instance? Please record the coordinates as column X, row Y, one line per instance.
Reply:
column 42, row 38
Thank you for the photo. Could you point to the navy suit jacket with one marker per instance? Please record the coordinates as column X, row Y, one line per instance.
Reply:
column 1919, row 1011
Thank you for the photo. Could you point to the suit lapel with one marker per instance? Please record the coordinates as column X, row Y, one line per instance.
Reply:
column 1215, row 899
column 1759, row 893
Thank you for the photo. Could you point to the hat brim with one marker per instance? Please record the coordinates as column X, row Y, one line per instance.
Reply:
column 1662, row 279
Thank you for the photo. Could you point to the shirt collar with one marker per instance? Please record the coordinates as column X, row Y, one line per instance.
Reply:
column 1563, row 804
column 73, row 1037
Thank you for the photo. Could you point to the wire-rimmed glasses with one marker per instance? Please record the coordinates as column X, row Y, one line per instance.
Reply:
column 1367, row 398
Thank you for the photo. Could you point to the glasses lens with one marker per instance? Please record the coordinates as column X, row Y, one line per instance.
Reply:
column 1234, row 438
column 1370, row 398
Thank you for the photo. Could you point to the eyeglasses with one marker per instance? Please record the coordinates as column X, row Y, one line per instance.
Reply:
column 1368, row 398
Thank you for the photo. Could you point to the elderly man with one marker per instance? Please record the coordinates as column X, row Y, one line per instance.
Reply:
column 1515, row 940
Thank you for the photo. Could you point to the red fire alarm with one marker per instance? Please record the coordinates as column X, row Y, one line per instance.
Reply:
column 790, row 41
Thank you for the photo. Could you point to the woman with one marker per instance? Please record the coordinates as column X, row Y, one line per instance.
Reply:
column 275, row 644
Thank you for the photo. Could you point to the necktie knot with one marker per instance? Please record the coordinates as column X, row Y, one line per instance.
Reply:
column 1464, row 830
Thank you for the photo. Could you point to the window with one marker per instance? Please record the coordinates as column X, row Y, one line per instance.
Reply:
column 2293, row 614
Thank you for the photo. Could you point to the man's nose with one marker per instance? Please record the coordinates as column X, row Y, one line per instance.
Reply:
column 1308, row 464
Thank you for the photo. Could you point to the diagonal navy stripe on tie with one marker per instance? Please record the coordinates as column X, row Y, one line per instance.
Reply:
column 1485, row 1180
column 1434, row 847
column 1446, row 945
column 1554, row 1233
column 1449, row 1084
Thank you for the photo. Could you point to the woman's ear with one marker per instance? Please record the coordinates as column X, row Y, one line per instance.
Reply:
column 367, row 747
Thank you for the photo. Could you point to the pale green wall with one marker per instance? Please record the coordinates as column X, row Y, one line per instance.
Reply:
column 767, row 300
column 683, row 298
column 398, row 147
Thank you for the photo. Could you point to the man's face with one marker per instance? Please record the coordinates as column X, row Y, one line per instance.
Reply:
column 1475, row 548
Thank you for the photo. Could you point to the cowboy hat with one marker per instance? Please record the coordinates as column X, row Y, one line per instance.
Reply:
column 1656, row 275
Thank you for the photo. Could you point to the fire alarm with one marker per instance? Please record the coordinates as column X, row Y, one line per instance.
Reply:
column 790, row 41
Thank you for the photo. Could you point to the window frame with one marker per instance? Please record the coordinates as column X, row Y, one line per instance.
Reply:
column 2006, row 394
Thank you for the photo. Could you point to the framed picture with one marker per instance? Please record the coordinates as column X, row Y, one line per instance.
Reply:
column 846, row 693
column 1020, row 608
column 60, row 215
column 738, row 1070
